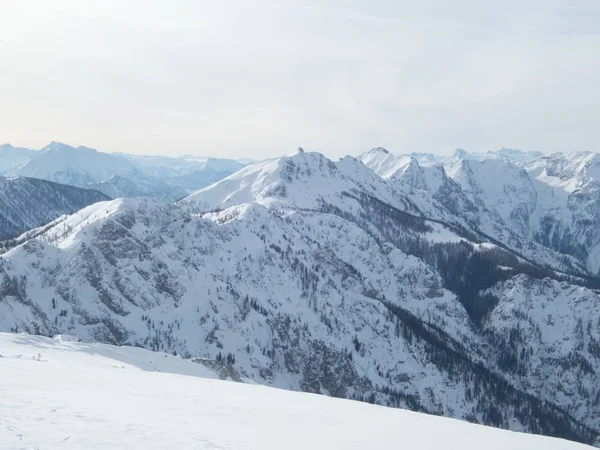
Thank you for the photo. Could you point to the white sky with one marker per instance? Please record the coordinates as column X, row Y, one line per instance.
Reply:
column 243, row 78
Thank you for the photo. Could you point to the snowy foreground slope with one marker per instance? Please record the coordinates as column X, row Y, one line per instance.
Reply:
column 68, row 395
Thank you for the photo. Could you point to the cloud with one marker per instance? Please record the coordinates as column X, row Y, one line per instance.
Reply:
column 260, row 78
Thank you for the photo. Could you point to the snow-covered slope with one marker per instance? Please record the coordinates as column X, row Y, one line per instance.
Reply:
column 312, row 275
column 27, row 203
column 63, row 394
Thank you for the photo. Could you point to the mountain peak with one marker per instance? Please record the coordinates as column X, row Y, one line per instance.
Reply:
column 460, row 153
column 375, row 151
column 55, row 144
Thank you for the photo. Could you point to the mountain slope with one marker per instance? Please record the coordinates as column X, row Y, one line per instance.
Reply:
column 170, row 403
column 309, row 275
column 27, row 203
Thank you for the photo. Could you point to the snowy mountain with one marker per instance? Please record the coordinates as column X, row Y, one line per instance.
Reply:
column 50, row 384
column 116, row 175
column 27, row 203
column 324, row 277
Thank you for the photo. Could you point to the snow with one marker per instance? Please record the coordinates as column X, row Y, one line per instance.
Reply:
column 69, row 395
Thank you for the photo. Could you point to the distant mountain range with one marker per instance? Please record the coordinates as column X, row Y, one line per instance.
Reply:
column 116, row 175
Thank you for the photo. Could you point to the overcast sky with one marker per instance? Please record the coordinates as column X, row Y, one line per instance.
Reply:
column 260, row 78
